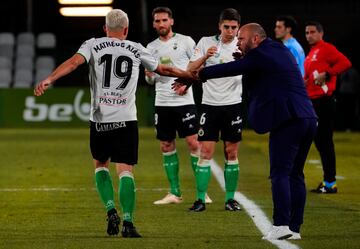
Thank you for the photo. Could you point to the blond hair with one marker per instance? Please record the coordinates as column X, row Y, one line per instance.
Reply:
column 116, row 20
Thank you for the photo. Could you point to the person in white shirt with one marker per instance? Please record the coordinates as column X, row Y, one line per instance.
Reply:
column 173, row 113
column 113, row 74
column 220, row 110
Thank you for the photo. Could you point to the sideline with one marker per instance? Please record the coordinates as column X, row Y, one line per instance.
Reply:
column 255, row 213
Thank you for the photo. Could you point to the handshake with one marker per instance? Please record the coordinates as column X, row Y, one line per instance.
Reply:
column 182, row 84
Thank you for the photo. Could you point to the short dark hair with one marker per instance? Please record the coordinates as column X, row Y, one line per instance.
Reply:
column 230, row 14
column 318, row 25
column 162, row 10
column 289, row 22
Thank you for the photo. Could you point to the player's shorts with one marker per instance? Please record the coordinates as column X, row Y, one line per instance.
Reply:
column 116, row 141
column 226, row 119
column 172, row 119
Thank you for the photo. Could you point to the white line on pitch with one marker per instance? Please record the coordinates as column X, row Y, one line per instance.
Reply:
column 255, row 213
column 64, row 189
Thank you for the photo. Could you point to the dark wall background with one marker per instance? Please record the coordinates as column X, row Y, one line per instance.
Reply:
column 197, row 18
column 341, row 20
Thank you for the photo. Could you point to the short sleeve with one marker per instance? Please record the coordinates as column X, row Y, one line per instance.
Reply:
column 85, row 49
column 190, row 47
column 147, row 59
column 198, row 51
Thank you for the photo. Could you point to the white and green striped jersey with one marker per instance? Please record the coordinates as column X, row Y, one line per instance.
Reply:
column 220, row 91
column 113, row 75
column 177, row 52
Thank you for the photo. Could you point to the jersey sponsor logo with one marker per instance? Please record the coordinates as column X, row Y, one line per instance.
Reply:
column 188, row 117
column 103, row 100
column 166, row 60
column 109, row 126
column 36, row 112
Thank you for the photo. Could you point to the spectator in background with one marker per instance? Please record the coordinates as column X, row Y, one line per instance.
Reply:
column 173, row 113
column 347, row 98
column 285, row 28
column 322, row 65
column 220, row 110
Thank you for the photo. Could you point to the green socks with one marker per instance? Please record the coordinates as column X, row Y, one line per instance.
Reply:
column 126, row 191
column 203, row 173
column 127, row 195
column 105, row 187
column 171, row 165
column 194, row 160
column 231, row 175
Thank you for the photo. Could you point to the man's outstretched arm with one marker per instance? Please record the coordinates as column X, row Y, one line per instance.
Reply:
column 64, row 69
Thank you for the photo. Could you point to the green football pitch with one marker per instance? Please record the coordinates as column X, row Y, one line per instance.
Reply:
column 48, row 197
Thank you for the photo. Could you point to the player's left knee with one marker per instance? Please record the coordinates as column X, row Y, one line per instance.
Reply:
column 193, row 144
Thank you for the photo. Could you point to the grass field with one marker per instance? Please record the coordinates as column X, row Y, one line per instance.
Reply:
column 48, row 199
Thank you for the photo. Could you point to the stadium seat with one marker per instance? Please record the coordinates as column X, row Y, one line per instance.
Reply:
column 41, row 74
column 7, row 38
column 7, row 50
column 45, row 62
column 25, row 38
column 23, row 78
column 46, row 40
column 24, row 63
column 5, row 78
column 5, row 63
column 25, row 50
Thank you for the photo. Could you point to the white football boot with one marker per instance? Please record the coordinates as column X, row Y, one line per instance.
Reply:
column 169, row 199
column 278, row 233
column 295, row 236
column 207, row 199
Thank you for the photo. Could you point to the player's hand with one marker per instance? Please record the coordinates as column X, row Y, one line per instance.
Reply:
column 42, row 87
column 180, row 89
column 211, row 51
column 149, row 77
column 181, row 85
column 149, row 73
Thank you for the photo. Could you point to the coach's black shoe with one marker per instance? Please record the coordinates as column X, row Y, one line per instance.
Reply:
column 322, row 189
column 198, row 206
column 232, row 205
column 129, row 231
column 113, row 222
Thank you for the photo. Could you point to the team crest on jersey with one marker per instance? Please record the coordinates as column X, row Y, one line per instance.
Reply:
column 314, row 56
column 175, row 46
column 201, row 132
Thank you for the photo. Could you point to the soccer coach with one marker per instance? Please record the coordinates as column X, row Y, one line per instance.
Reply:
column 279, row 104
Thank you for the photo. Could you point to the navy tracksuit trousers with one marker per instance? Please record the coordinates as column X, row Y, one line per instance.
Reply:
column 289, row 145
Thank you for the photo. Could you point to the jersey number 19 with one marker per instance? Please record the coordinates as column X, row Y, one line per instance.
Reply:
column 122, row 70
